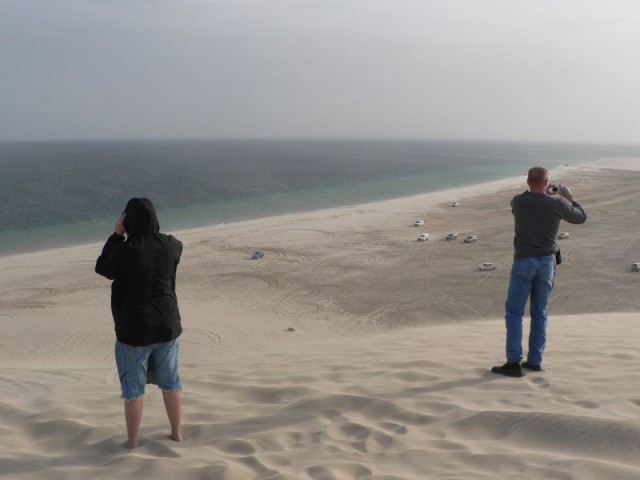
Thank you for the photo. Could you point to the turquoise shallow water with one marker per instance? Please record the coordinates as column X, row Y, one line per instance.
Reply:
column 60, row 193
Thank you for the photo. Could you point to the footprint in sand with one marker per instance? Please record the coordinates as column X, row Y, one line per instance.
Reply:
column 334, row 472
column 234, row 447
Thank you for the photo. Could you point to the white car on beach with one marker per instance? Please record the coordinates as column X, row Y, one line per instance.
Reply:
column 471, row 239
column 423, row 237
column 455, row 204
column 451, row 236
column 418, row 223
column 487, row 266
column 635, row 267
column 563, row 235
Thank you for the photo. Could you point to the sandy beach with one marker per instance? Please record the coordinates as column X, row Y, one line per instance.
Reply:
column 350, row 351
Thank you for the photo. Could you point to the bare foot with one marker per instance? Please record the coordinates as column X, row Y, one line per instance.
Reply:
column 177, row 437
column 130, row 445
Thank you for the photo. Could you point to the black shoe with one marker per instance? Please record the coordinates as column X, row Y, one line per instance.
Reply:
column 509, row 369
column 532, row 367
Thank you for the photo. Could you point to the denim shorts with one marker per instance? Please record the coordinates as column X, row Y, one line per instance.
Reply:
column 156, row 363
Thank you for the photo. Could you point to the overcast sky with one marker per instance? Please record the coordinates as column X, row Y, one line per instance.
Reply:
column 474, row 69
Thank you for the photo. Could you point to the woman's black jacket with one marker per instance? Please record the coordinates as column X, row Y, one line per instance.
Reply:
column 143, row 269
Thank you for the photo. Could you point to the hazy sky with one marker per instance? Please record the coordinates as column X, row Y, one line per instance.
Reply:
column 478, row 69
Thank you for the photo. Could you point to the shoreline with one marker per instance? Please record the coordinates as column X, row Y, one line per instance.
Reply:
column 464, row 192
column 428, row 197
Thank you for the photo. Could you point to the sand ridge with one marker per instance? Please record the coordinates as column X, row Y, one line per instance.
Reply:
column 408, row 404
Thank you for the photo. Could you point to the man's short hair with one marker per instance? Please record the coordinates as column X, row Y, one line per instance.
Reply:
column 537, row 174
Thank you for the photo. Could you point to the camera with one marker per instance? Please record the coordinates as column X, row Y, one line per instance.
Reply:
column 554, row 188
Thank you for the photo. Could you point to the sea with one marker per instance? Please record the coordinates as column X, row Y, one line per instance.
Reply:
column 59, row 193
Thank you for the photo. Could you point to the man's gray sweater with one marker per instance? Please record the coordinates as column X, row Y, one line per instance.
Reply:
column 537, row 219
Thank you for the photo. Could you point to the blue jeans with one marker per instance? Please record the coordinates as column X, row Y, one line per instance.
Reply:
column 530, row 277
column 156, row 363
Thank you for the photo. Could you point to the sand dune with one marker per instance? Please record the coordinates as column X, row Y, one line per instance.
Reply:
column 405, row 404
column 385, row 374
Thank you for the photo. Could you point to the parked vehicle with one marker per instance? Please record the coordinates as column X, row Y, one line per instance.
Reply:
column 418, row 223
column 635, row 267
column 563, row 235
column 455, row 204
column 451, row 236
column 471, row 239
column 423, row 237
column 257, row 255
column 487, row 266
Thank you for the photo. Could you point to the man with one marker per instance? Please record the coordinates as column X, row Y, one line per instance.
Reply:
column 537, row 215
column 145, row 311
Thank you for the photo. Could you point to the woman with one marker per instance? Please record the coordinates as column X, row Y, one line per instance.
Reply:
column 145, row 311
